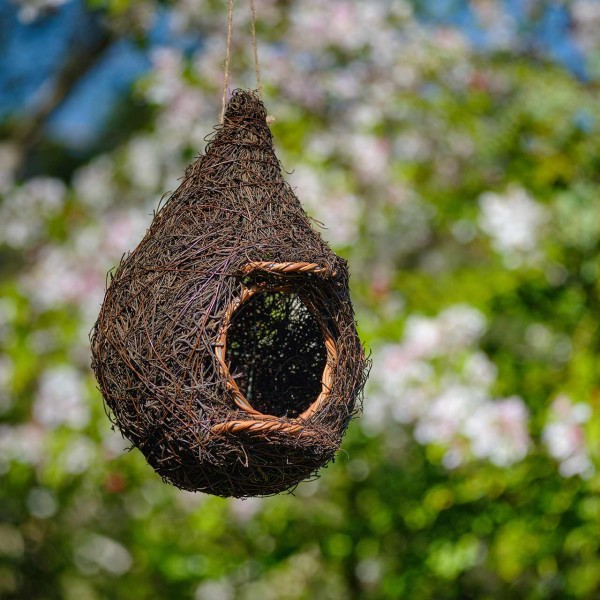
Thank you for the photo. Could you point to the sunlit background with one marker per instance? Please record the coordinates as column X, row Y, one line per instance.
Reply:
column 452, row 151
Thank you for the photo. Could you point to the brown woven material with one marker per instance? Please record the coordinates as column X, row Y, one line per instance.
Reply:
column 226, row 347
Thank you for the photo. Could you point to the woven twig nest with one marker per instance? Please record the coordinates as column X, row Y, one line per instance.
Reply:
column 226, row 347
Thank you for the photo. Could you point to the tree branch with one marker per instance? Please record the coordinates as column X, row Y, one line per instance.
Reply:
column 80, row 59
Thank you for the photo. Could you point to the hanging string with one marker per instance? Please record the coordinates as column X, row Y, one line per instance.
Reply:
column 255, row 46
column 228, row 54
column 227, row 59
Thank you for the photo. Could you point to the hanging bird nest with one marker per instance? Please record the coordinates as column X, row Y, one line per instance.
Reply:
column 226, row 347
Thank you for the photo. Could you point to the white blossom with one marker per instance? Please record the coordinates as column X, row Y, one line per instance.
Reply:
column 75, row 273
column 78, row 455
column 215, row 590
column 41, row 503
column 166, row 81
column 480, row 370
column 447, row 412
column 22, row 443
column 586, row 17
column 440, row 382
column 514, row 222
column 93, row 183
column 100, row 553
column 61, row 398
column 501, row 27
column 564, row 436
column 326, row 202
column 498, row 430
column 244, row 509
column 25, row 210
column 455, row 328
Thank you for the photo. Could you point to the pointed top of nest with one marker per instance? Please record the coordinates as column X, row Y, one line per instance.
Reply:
column 246, row 104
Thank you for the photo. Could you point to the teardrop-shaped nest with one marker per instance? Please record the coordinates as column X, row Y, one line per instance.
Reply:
column 226, row 347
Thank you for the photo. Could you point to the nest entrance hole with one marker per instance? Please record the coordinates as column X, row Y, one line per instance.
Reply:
column 276, row 353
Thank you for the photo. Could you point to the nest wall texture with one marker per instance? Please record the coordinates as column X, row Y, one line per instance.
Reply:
column 226, row 346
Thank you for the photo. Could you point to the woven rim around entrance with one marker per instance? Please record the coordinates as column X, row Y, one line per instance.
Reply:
column 259, row 421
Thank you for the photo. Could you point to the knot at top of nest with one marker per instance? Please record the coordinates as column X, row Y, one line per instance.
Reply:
column 245, row 105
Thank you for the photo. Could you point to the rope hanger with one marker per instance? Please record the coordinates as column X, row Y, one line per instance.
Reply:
column 228, row 54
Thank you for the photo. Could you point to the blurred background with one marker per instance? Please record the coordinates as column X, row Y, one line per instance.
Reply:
column 452, row 150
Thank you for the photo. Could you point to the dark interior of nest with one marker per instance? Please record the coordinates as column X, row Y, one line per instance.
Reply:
column 276, row 353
